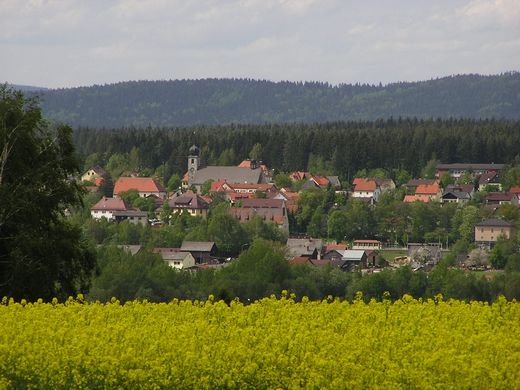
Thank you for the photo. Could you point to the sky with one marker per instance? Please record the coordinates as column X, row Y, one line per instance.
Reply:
column 67, row 43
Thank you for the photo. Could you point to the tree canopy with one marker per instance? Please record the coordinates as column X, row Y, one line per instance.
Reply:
column 42, row 254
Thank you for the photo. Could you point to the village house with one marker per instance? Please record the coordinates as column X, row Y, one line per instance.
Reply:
column 322, row 182
column 290, row 198
column 270, row 210
column 413, row 183
column 347, row 259
column 145, row 186
column 306, row 247
column 176, row 258
column 234, row 192
column 500, row 198
column 194, row 204
column 116, row 209
column 366, row 189
column 432, row 191
column 487, row 232
column 370, row 189
column 95, row 175
column 458, row 169
column 469, row 188
column 134, row 216
column 366, row 245
column 106, row 207
column 489, row 179
column 202, row 251
column 459, row 197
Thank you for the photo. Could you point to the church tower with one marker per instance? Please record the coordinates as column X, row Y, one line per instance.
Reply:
column 193, row 163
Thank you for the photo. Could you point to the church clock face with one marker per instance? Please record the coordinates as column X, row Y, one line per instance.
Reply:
column 192, row 169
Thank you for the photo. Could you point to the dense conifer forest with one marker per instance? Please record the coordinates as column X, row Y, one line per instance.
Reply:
column 340, row 148
column 225, row 101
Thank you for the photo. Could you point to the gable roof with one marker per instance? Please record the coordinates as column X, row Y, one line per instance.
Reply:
column 141, row 184
column 428, row 189
column 229, row 174
column 456, row 195
column 500, row 196
column 362, row 184
column 417, row 182
column 416, row 198
column 352, row 254
column 97, row 170
column 322, row 181
column 469, row 188
column 197, row 246
column 171, row 253
column 110, row 204
column 303, row 246
column 189, row 200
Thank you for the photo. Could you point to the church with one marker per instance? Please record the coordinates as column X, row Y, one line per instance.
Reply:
column 251, row 173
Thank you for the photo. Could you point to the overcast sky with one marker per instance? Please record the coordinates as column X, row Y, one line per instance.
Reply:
column 83, row 42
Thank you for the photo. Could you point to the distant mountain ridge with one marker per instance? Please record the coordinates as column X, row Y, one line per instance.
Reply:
column 224, row 101
column 27, row 88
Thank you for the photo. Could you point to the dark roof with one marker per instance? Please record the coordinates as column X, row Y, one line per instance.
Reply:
column 471, row 166
column 188, row 200
column 229, row 174
column 130, row 213
column 197, row 246
column 494, row 222
column 500, row 196
column 469, row 188
column 456, row 195
column 194, row 151
column 417, row 182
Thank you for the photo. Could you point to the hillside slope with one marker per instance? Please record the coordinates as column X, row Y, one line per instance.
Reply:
column 223, row 101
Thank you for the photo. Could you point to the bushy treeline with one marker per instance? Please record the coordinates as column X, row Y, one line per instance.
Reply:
column 224, row 101
column 342, row 148
column 262, row 270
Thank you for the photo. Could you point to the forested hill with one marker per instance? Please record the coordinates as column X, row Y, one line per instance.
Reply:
column 224, row 101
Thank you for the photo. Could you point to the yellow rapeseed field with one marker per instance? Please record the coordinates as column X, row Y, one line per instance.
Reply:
column 273, row 343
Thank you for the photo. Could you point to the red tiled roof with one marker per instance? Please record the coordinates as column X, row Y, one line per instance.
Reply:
column 335, row 247
column 416, row 198
column 141, row 184
column 299, row 260
column 321, row 180
column 362, row 184
column 427, row 189
column 299, row 175
column 515, row 190
column 217, row 186
column 114, row 204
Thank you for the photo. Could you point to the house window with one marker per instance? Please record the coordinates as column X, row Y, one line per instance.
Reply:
column 491, row 230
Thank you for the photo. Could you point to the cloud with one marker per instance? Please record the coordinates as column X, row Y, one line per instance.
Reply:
column 75, row 42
